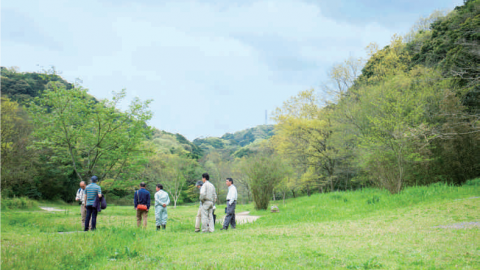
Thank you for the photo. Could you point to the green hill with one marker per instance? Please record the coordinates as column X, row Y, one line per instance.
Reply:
column 24, row 86
column 450, row 44
column 175, row 144
column 239, row 143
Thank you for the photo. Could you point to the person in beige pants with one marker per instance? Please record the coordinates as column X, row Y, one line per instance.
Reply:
column 208, row 196
column 81, row 199
column 142, row 198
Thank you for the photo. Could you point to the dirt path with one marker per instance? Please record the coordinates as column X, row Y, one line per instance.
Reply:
column 51, row 209
column 244, row 217
column 462, row 225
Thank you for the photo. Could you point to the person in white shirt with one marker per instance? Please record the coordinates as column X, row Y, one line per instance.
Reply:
column 80, row 197
column 231, row 203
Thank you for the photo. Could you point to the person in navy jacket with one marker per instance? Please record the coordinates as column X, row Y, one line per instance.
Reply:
column 142, row 204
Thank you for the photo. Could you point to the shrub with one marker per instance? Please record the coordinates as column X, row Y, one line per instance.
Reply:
column 18, row 203
column 473, row 182
column 264, row 173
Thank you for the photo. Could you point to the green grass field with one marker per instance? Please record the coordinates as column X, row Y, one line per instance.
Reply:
column 368, row 229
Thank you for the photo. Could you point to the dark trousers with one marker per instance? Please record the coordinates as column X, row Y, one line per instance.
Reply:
column 230, row 217
column 91, row 213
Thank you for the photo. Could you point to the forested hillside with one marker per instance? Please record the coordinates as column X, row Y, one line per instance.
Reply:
column 23, row 87
column 408, row 116
column 236, row 144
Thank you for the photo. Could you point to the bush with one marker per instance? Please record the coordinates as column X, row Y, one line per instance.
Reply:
column 473, row 182
column 18, row 203
column 264, row 173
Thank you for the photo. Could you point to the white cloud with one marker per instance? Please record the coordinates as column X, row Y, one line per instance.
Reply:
column 210, row 68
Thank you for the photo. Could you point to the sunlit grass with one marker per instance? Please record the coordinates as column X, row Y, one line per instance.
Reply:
column 368, row 229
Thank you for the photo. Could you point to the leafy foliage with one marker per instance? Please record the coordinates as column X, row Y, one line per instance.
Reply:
column 95, row 138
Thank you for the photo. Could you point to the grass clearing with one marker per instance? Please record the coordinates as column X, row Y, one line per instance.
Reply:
column 367, row 229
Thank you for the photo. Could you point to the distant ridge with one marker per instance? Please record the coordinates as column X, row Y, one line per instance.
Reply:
column 236, row 144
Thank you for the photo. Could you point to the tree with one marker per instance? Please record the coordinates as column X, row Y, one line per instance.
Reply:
column 93, row 136
column 397, row 111
column 174, row 175
column 219, row 168
column 264, row 171
column 18, row 161
column 304, row 134
column 11, row 128
column 342, row 76
column 285, row 185
column 423, row 24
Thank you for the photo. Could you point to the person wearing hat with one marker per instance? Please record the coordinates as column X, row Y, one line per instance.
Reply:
column 161, row 202
column 91, row 192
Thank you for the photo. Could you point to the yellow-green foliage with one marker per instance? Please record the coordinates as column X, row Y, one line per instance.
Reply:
column 9, row 118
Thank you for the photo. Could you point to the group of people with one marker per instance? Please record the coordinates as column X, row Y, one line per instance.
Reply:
column 141, row 200
column 208, row 197
column 91, row 199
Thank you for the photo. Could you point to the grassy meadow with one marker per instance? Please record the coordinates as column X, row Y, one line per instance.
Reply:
column 367, row 229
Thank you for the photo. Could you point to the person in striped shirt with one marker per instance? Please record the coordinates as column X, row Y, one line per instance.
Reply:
column 91, row 192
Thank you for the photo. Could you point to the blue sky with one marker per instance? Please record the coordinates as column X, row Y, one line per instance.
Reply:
column 211, row 67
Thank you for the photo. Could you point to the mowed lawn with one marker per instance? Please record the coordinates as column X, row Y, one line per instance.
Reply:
column 368, row 229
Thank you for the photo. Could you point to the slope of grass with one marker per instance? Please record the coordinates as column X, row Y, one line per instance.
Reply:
column 367, row 229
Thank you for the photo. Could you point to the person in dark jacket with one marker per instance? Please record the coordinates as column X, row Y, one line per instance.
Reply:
column 100, row 203
column 142, row 204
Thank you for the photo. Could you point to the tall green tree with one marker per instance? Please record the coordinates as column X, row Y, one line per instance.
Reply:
column 175, row 174
column 265, row 171
column 18, row 161
column 90, row 137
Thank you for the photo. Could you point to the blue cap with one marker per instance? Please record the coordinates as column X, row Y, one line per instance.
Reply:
column 94, row 179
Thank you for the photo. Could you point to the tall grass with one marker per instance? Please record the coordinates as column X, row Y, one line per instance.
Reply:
column 18, row 203
column 353, row 205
